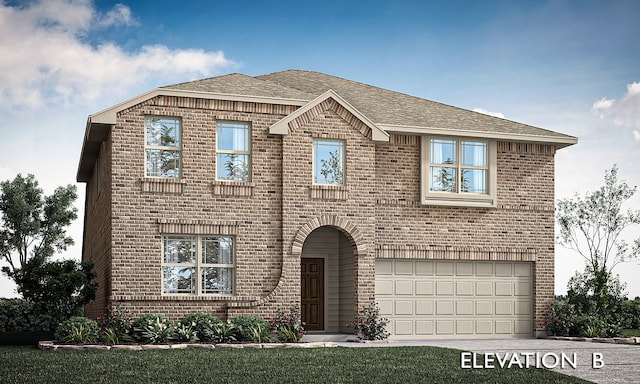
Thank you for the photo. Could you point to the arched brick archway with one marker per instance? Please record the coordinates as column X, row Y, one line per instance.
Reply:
column 327, row 248
column 343, row 225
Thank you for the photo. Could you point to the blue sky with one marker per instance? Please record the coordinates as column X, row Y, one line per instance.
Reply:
column 569, row 66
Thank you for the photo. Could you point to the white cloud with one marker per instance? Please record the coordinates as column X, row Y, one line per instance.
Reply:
column 601, row 106
column 484, row 111
column 47, row 60
column 624, row 112
column 636, row 135
column 119, row 15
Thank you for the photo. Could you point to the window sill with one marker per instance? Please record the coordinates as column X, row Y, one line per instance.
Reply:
column 162, row 185
column 329, row 192
column 476, row 201
column 233, row 188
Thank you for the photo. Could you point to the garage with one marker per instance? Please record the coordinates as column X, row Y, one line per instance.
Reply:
column 455, row 299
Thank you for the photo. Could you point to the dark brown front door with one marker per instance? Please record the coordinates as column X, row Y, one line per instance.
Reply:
column 312, row 287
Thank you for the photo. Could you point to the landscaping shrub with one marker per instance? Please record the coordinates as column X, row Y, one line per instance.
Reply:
column 562, row 320
column 224, row 333
column 152, row 329
column 251, row 328
column 369, row 325
column 78, row 330
column 288, row 327
column 186, row 333
column 202, row 323
column 115, row 325
column 630, row 314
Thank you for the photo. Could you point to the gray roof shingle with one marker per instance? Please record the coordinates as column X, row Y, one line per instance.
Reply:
column 380, row 105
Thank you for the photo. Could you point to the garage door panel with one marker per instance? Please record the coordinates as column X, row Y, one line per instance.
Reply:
column 384, row 287
column 424, row 307
column 444, row 288
column 404, row 287
column 444, row 298
column 424, row 288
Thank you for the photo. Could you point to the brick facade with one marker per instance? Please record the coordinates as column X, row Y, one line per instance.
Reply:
column 378, row 210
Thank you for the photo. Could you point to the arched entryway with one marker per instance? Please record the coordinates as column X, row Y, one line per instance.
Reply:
column 327, row 265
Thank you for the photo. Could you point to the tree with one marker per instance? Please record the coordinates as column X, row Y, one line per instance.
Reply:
column 33, row 225
column 592, row 225
column 331, row 169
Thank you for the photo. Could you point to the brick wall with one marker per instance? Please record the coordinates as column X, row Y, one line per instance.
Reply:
column 378, row 210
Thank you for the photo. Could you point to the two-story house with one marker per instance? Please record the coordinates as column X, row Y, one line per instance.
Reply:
column 241, row 195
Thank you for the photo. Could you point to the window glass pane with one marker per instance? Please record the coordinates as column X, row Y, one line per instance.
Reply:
column 443, row 151
column 474, row 153
column 179, row 249
column 163, row 163
column 233, row 136
column 217, row 250
column 217, row 280
column 179, row 279
column 328, row 162
column 474, row 181
column 163, row 132
column 233, row 167
column 443, row 179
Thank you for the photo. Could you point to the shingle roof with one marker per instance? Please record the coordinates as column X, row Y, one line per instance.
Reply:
column 381, row 105
column 239, row 84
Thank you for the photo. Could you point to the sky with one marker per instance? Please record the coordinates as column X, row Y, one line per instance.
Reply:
column 567, row 66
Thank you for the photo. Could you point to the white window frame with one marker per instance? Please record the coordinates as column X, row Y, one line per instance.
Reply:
column 199, row 265
column 234, row 152
column 343, row 158
column 460, row 199
column 177, row 148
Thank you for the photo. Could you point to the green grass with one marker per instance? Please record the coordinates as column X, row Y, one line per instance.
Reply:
column 321, row 365
column 630, row 333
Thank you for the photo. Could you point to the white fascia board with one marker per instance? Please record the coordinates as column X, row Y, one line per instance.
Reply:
column 282, row 126
column 108, row 116
column 560, row 142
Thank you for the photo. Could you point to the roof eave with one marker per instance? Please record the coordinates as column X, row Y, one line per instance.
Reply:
column 558, row 141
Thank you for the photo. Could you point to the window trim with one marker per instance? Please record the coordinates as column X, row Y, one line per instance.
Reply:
column 248, row 152
column 198, row 266
column 343, row 158
column 163, row 148
column 460, row 199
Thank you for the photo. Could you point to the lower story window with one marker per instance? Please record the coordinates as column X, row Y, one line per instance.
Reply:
column 198, row 265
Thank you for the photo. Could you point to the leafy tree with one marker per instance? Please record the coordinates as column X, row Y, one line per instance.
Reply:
column 592, row 225
column 331, row 169
column 57, row 288
column 33, row 225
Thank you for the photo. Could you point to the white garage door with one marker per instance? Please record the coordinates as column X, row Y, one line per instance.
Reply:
column 455, row 299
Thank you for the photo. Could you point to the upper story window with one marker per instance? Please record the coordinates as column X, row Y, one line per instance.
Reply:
column 458, row 171
column 162, row 147
column 233, row 151
column 328, row 162
column 198, row 265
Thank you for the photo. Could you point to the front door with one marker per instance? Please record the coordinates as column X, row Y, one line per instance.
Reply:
column 312, row 291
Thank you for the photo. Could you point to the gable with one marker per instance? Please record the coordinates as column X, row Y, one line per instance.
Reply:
column 341, row 107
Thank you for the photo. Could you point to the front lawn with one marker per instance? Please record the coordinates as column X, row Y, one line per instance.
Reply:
column 630, row 333
column 320, row 365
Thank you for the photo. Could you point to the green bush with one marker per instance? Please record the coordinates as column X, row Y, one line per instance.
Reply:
column 630, row 318
column 562, row 320
column 369, row 325
column 19, row 315
column 152, row 329
column 224, row 333
column 288, row 327
column 202, row 323
column 186, row 333
column 251, row 328
column 57, row 289
column 115, row 325
column 78, row 330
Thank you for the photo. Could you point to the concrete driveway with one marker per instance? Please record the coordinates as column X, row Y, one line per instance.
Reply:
column 621, row 362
